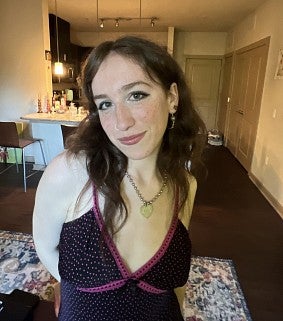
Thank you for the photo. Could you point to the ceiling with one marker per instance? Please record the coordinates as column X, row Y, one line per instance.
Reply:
column 184, row 15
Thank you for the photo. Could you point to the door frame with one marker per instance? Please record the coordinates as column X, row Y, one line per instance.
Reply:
column 229, row 93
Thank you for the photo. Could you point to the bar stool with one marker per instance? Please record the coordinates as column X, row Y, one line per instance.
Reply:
column 66, row 131
column 9, row 138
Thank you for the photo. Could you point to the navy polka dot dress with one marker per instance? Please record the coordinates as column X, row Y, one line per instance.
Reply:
column 96, row 284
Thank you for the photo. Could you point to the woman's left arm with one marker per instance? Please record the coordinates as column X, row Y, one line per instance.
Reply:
column 185, row 217
column 186, row 212
column 180, row 293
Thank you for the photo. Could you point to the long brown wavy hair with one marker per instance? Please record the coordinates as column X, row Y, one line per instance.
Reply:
column 181, row 147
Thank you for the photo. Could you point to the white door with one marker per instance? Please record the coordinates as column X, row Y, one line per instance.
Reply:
column 249, row 74
column 203, row 78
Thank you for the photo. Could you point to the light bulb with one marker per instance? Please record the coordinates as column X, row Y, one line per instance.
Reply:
column 117, row 23
column 58, row 68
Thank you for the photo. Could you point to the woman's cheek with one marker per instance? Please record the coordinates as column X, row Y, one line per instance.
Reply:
column 146, row 115
column 107, row 124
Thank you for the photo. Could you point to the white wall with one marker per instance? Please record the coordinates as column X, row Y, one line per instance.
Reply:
column 92, row 39
column 24, row 71
column 266, row 21
column 198, row 43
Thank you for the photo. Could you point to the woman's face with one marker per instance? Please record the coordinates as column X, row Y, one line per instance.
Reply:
column 133, row 109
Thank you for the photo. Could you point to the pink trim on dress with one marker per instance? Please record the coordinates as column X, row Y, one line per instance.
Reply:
column 111, row 245
column 126, row 274
column 109, row 286
column 165, row 244
column 119, row 283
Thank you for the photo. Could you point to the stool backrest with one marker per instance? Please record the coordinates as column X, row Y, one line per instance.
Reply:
column 66, row 131
column 8, row 134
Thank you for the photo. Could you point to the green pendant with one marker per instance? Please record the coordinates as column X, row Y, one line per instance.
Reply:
column 146, row 210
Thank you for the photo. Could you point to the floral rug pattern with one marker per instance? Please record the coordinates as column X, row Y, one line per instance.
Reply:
column 213, row 292
column 20, row 267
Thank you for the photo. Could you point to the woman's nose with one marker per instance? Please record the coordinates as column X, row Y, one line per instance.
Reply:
column 124, row 118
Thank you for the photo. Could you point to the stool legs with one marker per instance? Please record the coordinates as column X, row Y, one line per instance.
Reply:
column 24, row 163
column 43, row 156
column 24, row 170
column 16, row 159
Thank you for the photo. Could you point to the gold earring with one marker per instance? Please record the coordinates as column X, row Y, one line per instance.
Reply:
column 173, row 119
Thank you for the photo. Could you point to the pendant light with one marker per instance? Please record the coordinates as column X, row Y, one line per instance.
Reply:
column 58, row 67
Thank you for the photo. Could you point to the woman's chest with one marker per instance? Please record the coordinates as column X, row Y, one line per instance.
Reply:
column 140, row 236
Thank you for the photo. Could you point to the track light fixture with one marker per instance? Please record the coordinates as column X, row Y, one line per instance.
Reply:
column 117, row 20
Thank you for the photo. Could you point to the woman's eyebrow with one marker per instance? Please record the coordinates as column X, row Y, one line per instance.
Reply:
column 133, row 84
column 102, row 96
column 123, row 88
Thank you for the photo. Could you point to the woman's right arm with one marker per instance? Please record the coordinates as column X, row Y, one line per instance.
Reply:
column 51, row 207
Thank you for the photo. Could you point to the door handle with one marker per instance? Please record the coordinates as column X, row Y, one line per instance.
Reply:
column 239, row 111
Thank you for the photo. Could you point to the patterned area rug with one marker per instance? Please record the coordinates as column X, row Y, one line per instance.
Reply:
column 213, row 292
column 20, row 267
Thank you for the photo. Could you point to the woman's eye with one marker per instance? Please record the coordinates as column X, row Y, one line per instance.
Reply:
column 138, row 95
column 104, row 105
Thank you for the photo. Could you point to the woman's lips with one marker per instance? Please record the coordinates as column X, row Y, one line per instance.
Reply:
column 131, row 140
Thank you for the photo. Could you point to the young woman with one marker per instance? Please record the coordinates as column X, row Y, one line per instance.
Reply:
column 111, row 213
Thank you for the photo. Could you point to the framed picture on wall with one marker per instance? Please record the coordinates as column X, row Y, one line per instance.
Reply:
column 279, row 68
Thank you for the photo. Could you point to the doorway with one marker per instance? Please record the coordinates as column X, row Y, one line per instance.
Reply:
column 203, row 77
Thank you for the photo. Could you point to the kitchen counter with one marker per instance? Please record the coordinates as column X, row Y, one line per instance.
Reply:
column 47, row 127
column 55, row 118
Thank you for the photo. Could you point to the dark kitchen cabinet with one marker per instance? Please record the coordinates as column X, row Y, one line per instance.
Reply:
column 83, row 53
column 63, row 39
column 71, row 55
column 68, row 52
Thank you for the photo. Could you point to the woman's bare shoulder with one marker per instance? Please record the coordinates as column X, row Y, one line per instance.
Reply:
column 65, row 170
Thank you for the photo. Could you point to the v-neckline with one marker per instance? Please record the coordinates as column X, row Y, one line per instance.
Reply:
column 121, row 264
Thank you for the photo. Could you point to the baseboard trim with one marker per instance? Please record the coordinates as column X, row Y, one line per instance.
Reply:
column 271, row 199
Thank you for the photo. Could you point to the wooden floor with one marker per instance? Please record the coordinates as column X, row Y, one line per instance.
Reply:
column 231, row 219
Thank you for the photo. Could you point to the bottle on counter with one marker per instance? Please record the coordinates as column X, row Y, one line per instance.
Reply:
column 69, row 95
column 55, row 102
column 63, row 102
column 53, row 99
column 73, row 109
column 48, row 107
column 39, row 106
